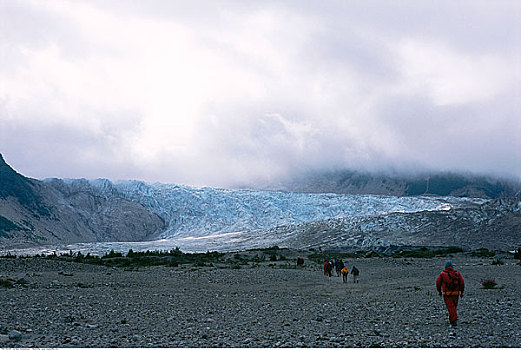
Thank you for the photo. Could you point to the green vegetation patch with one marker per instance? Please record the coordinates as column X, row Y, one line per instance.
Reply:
column 483, row 253
column 320, row 257
column 498, row 262
column 426, row 253
column 173, row 257
column 423, row 252
column 5, row 283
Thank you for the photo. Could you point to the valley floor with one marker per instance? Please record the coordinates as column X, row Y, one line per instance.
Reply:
column 66, row 304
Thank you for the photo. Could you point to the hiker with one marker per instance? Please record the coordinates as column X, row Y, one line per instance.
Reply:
column 300, row 261
column 355, row 272
column 338, row 266
column 326, row 263
column 345, row 273
column 450, row 284
column 329, row 268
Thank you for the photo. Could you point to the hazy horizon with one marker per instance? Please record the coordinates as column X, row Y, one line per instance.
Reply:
column 225, row 93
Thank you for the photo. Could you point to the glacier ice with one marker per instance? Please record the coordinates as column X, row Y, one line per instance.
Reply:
column 198, row 212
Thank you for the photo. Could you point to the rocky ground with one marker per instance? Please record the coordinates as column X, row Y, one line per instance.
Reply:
column 66, row 304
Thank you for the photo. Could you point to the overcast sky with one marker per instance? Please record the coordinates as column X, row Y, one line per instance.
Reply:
column 225, row 92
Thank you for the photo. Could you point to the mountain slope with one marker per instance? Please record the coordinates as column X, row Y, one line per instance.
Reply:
column 33, row 212
column 25, row 190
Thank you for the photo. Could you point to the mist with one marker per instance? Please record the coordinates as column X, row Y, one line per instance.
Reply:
column 227, row 93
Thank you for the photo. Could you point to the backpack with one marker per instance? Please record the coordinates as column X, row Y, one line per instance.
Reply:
column 452, row 282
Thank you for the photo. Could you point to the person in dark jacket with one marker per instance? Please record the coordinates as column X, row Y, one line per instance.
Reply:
column 451, row 285
column 355, row 272
column 339, row 264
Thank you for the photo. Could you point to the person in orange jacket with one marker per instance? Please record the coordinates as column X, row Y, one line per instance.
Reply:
column 451, row 285
column 345, row 273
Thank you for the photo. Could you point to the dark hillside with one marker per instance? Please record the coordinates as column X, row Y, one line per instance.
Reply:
column 34, row 212
column 17, row 186
column 460, row 186
column 437, row 184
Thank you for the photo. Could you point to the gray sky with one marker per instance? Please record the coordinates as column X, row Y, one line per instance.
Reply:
column 225, row 92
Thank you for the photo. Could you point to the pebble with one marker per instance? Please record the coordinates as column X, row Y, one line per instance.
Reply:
column 256, row 307
column 4, row 339
column 15, row 335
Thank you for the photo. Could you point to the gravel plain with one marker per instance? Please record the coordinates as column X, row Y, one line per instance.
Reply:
column 395, row 304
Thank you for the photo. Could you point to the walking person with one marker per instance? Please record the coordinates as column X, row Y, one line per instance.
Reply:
column 338, row 266
column 355, row 272
column 345, row 273
column 451, row 285
column 330, row 267
column 326, row 263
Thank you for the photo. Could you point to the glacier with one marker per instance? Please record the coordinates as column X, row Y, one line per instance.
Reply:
column 199, row 212
column 203, row 219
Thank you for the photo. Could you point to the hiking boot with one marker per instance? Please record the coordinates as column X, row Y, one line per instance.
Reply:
column 454, row 323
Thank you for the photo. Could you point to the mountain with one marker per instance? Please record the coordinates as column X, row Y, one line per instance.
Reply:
column 63, row 211
column 436, row 184
column 36, row 212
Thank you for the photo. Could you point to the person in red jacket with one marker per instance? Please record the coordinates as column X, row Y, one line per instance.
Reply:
column 326, row 263
column 451, row 284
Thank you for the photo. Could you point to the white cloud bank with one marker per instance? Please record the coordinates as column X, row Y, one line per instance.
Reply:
column 226, row 92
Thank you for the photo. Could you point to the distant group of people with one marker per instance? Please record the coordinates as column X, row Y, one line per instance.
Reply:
column 341, row 270
column 449, row 284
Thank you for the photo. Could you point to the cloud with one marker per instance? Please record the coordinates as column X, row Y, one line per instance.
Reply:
column 450, row 77
column 220, row 93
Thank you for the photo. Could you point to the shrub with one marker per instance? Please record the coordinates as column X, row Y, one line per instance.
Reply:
column 483, row 253
column 258, row 258
column 424, row 252
column 320, row 257
column 130, row 253
column 498, row 261
column 6, row 283
column 235, row 266
column 79, row 258
column 488, row 283
column 112, row 254
column 517, row 255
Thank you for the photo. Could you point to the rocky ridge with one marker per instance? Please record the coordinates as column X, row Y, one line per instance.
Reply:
column 36, row 212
